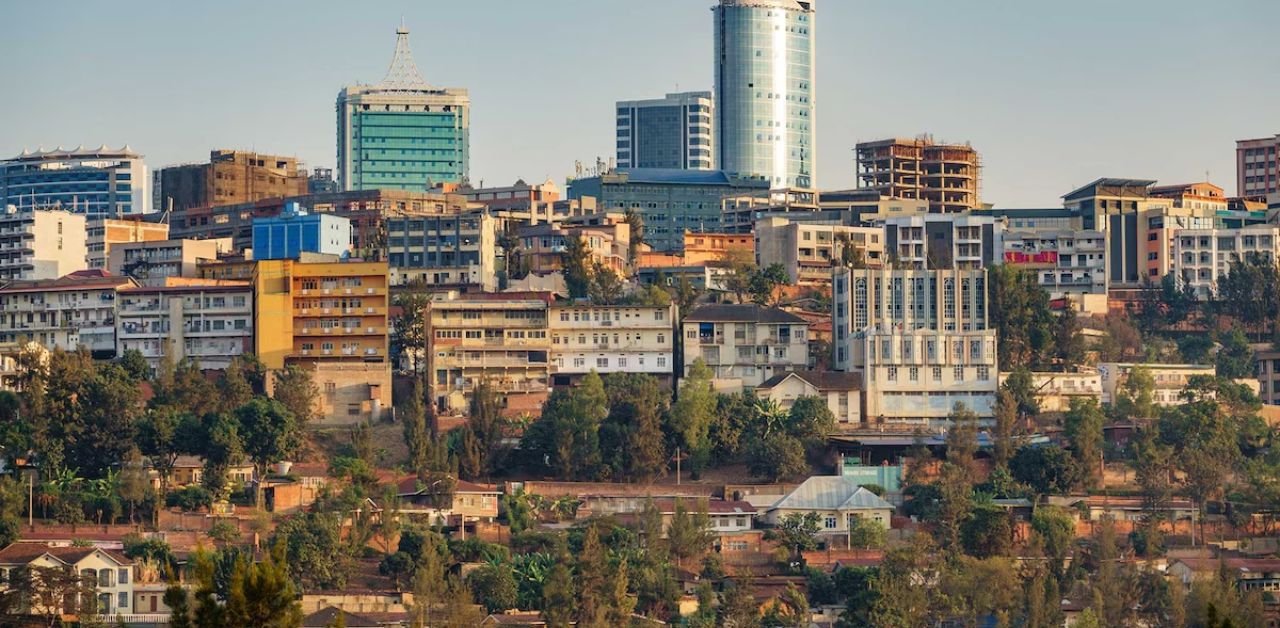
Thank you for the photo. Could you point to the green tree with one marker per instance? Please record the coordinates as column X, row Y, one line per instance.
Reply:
column 764, row 282
column 576, row 261
column 270, row 433
column 566, row 437
column 690, row 534
column 1047, row 469
column 1083, row 427
column 234, row 387
column 1136, row 397
column 865, row 533
column 1250, row 292
column 409, row 331
column 1068, row 343
column 296, row 389
column 738, row 605
column 605, row 287
column 417, row 431
column 740, row 267
column 1235, row 357
column 135, row 366
column 263, row 595
column 483, row 433
column 592, row 581
column 313, row 543
column 1019, row 311
column 635, row 221
column 631, row 436
column 494, row 586
column 693, row 413
column 559, row 598
column 107, row 407
column 796, row 533
column 1005, row 438
column 987, row 532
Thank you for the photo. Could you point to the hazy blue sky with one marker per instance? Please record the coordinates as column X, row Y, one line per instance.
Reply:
column 1053, row 94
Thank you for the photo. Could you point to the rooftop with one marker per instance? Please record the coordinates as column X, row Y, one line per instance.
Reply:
column 831, row 492
column 741, row 312
column 822, row 380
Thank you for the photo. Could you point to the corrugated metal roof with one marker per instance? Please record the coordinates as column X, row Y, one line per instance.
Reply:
column 832, row 492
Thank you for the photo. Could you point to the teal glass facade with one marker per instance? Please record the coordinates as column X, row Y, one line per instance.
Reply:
column 403, row 147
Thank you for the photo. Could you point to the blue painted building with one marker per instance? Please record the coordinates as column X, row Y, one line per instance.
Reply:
column 295, row 231
column 98, row 182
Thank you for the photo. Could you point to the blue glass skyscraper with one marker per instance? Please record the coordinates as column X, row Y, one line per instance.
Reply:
column 764, row 53
column 402, row 133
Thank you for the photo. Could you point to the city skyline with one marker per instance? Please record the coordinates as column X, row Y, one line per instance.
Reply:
column 1036, row 82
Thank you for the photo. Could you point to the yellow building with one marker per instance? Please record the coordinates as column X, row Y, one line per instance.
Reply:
column 331, row 318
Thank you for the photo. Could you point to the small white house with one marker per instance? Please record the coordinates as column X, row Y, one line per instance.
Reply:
column 838, row 500
column 109, row 571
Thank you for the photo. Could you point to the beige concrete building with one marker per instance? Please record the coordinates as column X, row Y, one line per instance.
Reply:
column 207, row 321
column 498, row 338
column 41, row 243
column 351, row 391
column 841, row 391
column 70, row 312
column 809, row 250
column 160, row 259
column 1170, row 379
column 611, row 339
column 101, row 233
column 744, row 345
column 1054, row 391
column 945, row 175
column 607, row 236
column 1203, row 256
column 962, row 241
column 1267, row 363
column 1065, row 263
column 920, row 339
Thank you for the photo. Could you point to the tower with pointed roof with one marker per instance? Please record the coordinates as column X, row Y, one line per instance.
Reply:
column 401, row 133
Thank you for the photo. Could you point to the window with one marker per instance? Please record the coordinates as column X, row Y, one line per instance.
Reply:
column 622, row 362
column 913, row 374
column 959, row 374
column 353, row 409
column 122, row 600
column 829, row 523
column 984, row 374
column 579, row 362
column 937, row 373
column 893, row 374
column 662, row 361
column 124, row 579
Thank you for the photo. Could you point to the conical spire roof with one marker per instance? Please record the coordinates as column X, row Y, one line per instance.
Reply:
column 403, row 73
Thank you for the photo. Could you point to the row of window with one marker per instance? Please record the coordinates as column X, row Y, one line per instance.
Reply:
column 913, row 374
column 604, row 362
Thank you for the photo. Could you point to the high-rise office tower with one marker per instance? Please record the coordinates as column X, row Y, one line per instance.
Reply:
column 402, row 133
column 97, row 182
column 764, row 55
column 671, row 132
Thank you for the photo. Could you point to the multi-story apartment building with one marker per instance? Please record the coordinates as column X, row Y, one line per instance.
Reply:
column 1267, row 370
column 715, row 248
column 455, row 250
column 944, row 241
column 41, row 243
column 611, row 339
column 94, row 182
column 945, row 175
column 367, row 210
column 670, row 201
column 919, row 337
column 748, row 343
column 1066, row 263
column 296, row 231
column 108, row 575
column 230, row 177
column 101, row 233
column 402, row 133
column 607, row 237
column 164, row 258
column 207, row 321
column 808, row 251
column 1258, row 167
column 1203, row 256
column 329, row 318
column 70, row 312
column 497, row 338
column 1202, row 196
column 1035, row 219
column 770, row 80
column 1139, row 226
column 670, row 132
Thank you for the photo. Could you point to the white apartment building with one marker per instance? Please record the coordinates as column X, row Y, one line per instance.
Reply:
column 65, row 313
column 745, row 344
column 807, row 250
column 1054, row 391
column 1203, row 256
column 921, row 340
column 611, row 339
column 207, row 321
column 1170, row 379
column 40, row 243
column 157, row 260
column 962, row 241
column 1065, row 263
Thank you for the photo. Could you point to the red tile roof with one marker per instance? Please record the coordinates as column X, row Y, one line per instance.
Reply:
column 23, row 552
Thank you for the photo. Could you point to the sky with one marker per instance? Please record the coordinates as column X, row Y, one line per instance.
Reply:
column 1052, row 94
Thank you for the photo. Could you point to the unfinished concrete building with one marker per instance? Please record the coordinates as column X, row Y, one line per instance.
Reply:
column 944, row 175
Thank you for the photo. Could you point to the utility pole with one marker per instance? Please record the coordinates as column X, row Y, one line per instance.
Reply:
column 31, row 490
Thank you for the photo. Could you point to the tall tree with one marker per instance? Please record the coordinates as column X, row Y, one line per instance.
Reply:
column 270, row 433
column 1005, row 437
column 483, row 433
column 576, row 262
column 764, row 283
column 317, row 555
column 566, row 437
column 740, row 267
column 1136, row 395
column 108, row 408
column 635, row 220
column 1083, row 427
column 1068, row 343
column 1235, row 357
column 693, row 413
column 234, row 387
column 1019, row 311
column 1250, row 292
column 631, row 436
column 605, row 287
column 263, row 595
column 417, row 434
column 558, row 596
column 409, row 331
column 296, row 389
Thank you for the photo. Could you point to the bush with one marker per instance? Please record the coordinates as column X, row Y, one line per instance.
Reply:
column 191, row 498
column 224, row 532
